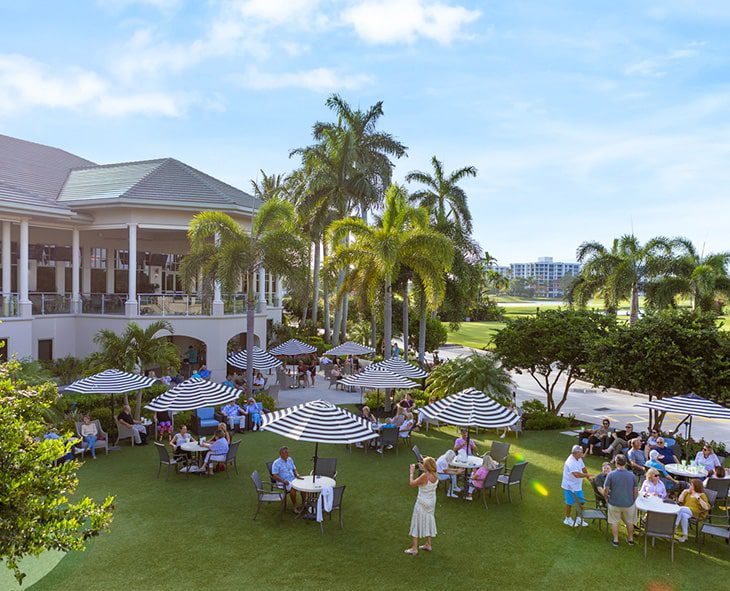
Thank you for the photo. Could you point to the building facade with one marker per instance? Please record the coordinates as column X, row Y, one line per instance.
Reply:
column 85, row 247
column 545, row 275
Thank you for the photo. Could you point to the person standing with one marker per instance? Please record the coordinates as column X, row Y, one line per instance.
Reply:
column 574, row 471
column 621, row 489
column 192, row 357
column 423, row 520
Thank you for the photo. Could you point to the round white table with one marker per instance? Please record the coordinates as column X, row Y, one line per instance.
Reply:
column 306, row 485
column 197, row 449
column 470, row 463
column 686, row 471
column 656, row 505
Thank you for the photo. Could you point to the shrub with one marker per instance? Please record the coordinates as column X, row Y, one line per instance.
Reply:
column 317, row 342
column 537, row 417
column 476, row 371
column 374, row 399
column 266, row 400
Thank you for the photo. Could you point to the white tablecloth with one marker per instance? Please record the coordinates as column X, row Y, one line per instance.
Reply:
column 471, row 462
column 193, row 447
column 686, row 471
column 306, row 485
column 656, row 504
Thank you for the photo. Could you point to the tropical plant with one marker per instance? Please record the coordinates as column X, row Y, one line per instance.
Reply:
column 35, row 511
column 618, row 273
column 222, row 250
column 480, row 371
column 702, row 278
column 66, row 369
column 402, row 238
column 270, row 185
column 135, row 350
column 435, row 334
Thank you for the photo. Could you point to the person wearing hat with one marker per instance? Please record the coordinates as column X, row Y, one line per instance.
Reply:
column 574, row 471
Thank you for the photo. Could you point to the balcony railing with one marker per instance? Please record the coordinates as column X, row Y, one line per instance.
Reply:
column 44, row 304
column 174, row 304
column 8, row 305
column 103, row 303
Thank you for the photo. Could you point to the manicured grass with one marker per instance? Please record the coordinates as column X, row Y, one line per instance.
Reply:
column 197, row 533
column 474, row 334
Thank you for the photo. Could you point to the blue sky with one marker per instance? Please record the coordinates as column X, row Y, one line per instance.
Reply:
column 585, row 119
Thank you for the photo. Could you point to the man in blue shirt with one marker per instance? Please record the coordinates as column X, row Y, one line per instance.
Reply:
column 284, row 472
column 666, row 454
column 620, row 490
column 234, row 415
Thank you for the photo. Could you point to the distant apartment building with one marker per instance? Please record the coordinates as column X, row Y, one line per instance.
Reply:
column 545, row 274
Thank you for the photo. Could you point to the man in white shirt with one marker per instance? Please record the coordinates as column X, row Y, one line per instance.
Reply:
column 707, row 459
column 574, row 471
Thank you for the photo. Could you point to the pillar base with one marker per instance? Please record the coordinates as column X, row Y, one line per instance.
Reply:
column 218, row 308
column 76, row 306
column 25, row 309
column 131, row 308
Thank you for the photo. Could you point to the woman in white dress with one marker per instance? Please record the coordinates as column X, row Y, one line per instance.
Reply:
column 423, row 522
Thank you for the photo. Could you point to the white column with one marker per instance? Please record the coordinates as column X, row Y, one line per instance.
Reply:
column 7, row 275
column 24, row 303
column 75, row 271
column 270, row 299
column 60, row 277
column 130, row 306
column 262, row 290
column 279, row 290
column 86, row 269
column 110, row 263
column 218, row 306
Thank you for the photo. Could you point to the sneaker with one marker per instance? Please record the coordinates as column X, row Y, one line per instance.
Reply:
column 380, row 451
column 456, row 489
column 630, row 542
column 467, row 498
column 614, row 543
column 569, row 521
column 581, row 521
column 682, row 539
column 452, row 495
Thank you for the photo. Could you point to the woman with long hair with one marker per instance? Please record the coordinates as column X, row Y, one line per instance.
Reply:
column 423, row 521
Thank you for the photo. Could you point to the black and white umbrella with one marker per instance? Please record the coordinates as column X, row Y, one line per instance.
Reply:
column 191, row 394
column 470, row 408
column 293, row 348
column 262, row 360
column 318, row 421
column 378, row 378
column 690, row 405
column 400, row 367
column 110, row 381
column 350, row 348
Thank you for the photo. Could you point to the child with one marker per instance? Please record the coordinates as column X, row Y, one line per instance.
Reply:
column 164, row 424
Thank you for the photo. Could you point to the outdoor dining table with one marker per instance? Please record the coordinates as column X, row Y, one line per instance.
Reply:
column 470, row 463
column 685, row 471
column 197, row 450
column 657, row 505
column 311, row 489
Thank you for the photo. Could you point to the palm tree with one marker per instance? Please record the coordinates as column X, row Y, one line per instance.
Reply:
column 482, row 372
column 271, row 185
column 618, row 273
column 691, row 274
column 136, row 349
column 222, row 250
column 401, row 239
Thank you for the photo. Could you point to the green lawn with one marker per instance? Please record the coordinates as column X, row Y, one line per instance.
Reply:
column 197, row 533
column 474, row 334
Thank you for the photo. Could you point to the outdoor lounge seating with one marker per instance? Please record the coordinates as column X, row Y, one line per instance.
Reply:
column 165, row 459
column 716, row 530
column 327, row 467
column 230, row 458
column 124, row 432
column 721, row 487
column 697, row 523
column 599, row 511
column 102, row 439
column 659, row 526
column 388, row 437
column 512, row 478
column 267, row 494
column 499, row 452
column 337, row 493
column 490, row 484
column 205, row 421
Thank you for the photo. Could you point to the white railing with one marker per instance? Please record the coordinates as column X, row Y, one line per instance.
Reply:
column 45, row 304
column 8, row 305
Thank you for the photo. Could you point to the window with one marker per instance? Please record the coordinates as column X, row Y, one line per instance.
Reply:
column 45, row 349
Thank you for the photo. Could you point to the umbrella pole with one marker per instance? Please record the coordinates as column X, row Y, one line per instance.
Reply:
column 689, row 435
column 316, row 453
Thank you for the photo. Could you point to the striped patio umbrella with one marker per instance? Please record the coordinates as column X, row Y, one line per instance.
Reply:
column 191, row 394
column 377, row 378
column 293, row 348
column 318, row 421
column 350, row 348
column 110, row 381
column 470, row 408
column 399, row 366
column 262, row 360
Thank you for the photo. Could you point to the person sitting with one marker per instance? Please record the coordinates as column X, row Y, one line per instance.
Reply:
column 407, row 402
column 720, row 474
column 636, row 457
column 600, row 479
column 229, row 381
column 367, row 415
column 218, row 449
column 222, row 427
column 303, row 373
column 461, row 443
column 336, row 372
column 89, row 434
column 181, row 437
column 324, row 360
column 125, row 418
column 252, row 410
column 599, row 436
column 444, row 471
column 651, row 441
column 653, row 485
column 235, row 415
column 707, row 459
column 669, row 482
column 621, row 440
column 666, row 454
column 284, row 471
column 177, row 379
column 399, row 418
column 405, row 429
column 694, row 504
column 480, row 475
column 164, row 424
column 259, row 381
column 204, row 372
column 52, row 433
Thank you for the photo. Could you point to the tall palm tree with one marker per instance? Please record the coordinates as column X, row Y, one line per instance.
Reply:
column 270, row 185
column 618, row 273
column 222, row 250
column 136, row 348
column 402, row 238
column 700, row 277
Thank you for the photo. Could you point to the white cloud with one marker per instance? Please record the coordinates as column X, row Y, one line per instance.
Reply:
column 316, row 80
column 657, row 67
column 278, row 12
column 26, row 83
column 405, row 21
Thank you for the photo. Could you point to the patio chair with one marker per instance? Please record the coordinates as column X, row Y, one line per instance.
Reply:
column 490, row 484
column 512, row 478
column 165, row 459
column 337, row 493
column 204, row 421
column 499, row 452
column 327, row 467
column 100, row 443
column 388, row 436
column 327, row 370
column 334, row 381
column 230, row 458
column 717, row 530
column 267, row 494
column 124, row 432
column 697, row 523
column 599, row 512
column 269, row 467
column 405, row 436
column 661, row 526
column 426, row 422
column 721, row 487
